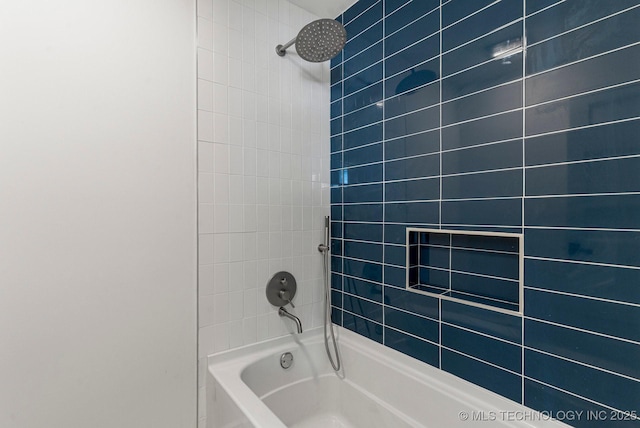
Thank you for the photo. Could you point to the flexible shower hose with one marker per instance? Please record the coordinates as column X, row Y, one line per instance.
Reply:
column 327, row 304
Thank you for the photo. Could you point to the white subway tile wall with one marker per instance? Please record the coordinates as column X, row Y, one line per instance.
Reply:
column 263, row 172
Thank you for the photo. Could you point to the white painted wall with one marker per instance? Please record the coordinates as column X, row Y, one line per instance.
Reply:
column 97, row 214
column 263, row 167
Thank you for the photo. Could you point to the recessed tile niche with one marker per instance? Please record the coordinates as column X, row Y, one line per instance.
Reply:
column 479, row 269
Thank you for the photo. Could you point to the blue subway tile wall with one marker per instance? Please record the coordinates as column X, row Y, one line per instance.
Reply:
column 509, row 116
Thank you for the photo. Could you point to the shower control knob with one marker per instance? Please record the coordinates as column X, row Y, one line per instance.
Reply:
column 281, row 289
column 284, row 294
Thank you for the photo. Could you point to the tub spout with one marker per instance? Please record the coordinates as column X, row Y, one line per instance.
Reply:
column 284, row 313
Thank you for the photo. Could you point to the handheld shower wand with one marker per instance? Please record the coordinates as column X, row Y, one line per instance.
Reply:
column 324, row 249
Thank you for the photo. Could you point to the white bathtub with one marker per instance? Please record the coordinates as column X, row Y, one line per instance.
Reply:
column 378, row 387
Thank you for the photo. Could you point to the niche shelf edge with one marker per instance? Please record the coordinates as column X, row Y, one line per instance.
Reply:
column 513, row 256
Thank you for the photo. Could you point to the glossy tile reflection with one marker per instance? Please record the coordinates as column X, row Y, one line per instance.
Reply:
column 447, row 115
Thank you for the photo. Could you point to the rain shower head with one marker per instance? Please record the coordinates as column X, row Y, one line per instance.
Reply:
column 318, row 41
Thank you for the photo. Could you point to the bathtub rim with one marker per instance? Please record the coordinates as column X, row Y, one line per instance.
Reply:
column 226, row 368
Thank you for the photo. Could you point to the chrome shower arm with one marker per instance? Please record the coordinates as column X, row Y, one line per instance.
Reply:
column 282, row 49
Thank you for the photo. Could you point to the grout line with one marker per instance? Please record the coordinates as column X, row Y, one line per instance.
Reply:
column 478, row 65
column 573, row 394
column 480, row 275
column 364, row 241
column 543, row 9
column 351, row 39
column 580, row 262
column 406, row 333
column 495, row 30
column 584, row 25
column 355, row 259
column 357, row 76
column 591, row 366
column 346, row 275
column 427, row 107
column 440, row 334
column 384, row 37
column 578, row 128
column 486, row 171
column 360, row 147
column 412, row 313
column 526, row 76
column 368, row 281
column 362, row 316
column 362, row 165
column 539, row 228
column 390, row 223
column 358, row 128
column 398, row 73
column 468, row 16
column 479, row 333
column 361, row 13
column 384, row 12
column 481, row 361
column 590, row 92
column 582, row 161
column 403, row 180
column 524, row 192
column 480, row 250
column 541, row 134
column 582, row 330
column 384, row 190
column 440, row 147
column 483, row 299
column 586, row 229
column 356, row 110
column 342, row 260
column 421, row 201
column 485, row 334
column 470, row 94
column 400, row 51
column 388, row 140
column 412, row 22
column 582, row 60
column 362, row 298
column 582, row 296
column 472, row 227
column 542, row 196
column 356, row 55
column 421, row 109
column 439, row 55
column 412, row 157
column 475, row 119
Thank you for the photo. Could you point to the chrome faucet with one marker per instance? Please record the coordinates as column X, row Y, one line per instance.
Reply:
column 284, row 313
